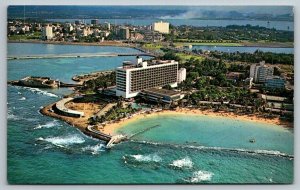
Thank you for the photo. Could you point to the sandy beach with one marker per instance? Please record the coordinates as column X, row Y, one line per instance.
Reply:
column 113, row 127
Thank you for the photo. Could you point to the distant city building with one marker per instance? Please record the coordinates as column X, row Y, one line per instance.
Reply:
column 69, row 27
column 12, row 29
column 162, row 27
column 124, row 33
column 96, row 32
column 47, row 33
column 135, row 36
column 104, row 33
column 153, row 36
column 181, row 75
column 26, row 28
column 107, row 25
column 94, row 21
column 78, row 22
column 87, row 31
column 275, row 82
column 259, row 72
column 132, row 78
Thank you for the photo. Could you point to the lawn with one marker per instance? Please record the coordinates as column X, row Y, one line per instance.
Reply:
column 207, row 44
column 35, row 35
column 152, row 46
column 185, row 57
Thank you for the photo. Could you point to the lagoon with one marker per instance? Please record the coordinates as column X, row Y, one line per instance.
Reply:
column 243, row 49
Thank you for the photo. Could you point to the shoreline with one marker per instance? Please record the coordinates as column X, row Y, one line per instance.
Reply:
column 121, row 44
column 106, row 43
column 112, row 127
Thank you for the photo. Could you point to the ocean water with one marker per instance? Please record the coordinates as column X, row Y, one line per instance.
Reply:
column 201, row 149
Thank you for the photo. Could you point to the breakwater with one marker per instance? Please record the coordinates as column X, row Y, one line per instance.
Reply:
column 41, row 82
column 78, row 55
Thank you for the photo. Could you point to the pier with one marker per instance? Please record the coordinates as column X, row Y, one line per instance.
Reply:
column 78, row 55
column 143, row 131
column 111, row 140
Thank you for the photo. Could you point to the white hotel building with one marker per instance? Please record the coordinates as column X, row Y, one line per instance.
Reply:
column 132, row 78
column 260, row 72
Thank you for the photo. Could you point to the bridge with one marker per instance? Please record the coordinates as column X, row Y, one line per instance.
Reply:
column 78, row 55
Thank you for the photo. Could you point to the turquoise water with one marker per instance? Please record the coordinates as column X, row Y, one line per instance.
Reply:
column 181, row 149
column 244, row 49
column 212, row 132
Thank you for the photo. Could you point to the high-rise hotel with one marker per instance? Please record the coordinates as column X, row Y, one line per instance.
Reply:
column 132, row 78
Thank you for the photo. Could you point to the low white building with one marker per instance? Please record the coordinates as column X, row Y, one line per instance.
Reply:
column 259, row 72
column 107, row 25
column 181, row 75
column 275, row 82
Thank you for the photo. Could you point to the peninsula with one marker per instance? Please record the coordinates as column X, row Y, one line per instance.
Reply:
column 177, row 79
column 99, row 110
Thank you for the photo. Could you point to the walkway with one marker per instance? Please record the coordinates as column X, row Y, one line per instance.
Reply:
column 61, row 108
column 104, row 110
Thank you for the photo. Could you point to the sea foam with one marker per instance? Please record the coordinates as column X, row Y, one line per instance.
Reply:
column 41, row 92
column 182, row 163
column 63, row 141
column 147, row 158
column 48, row 125
column 11, row 116
column 200, row 176
column 94, row 149
column 237, row 150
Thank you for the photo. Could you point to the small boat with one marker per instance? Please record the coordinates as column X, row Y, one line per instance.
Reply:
column 252, row 140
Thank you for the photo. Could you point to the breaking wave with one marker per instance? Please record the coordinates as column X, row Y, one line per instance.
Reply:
column 183, row 163
column 11, row 116
column 147, row 158
column 41, row 92
column 94, row 149
column 238, row 150
column 200, row 176
column 63, row 141
column 48, row 125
